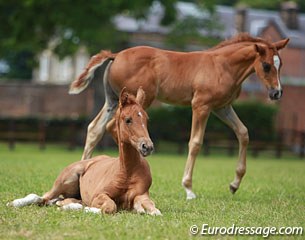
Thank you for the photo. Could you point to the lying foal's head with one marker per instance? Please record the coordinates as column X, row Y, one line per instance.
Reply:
column 131, row 122
column 267, row 66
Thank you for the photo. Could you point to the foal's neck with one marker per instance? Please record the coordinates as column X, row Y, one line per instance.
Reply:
column 242, row 62
column 129, row 157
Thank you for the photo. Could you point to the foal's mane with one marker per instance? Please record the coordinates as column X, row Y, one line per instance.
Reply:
column 241, row 37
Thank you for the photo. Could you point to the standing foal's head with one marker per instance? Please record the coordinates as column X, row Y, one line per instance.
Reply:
column 267, row 66
column 131, row 120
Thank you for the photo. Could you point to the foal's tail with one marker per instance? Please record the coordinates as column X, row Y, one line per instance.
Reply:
column 97, row 61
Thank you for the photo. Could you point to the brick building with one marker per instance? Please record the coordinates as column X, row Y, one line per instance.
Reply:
column 274, row 25
column 26, row 99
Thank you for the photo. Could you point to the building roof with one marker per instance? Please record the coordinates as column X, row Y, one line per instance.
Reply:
column 256, row 21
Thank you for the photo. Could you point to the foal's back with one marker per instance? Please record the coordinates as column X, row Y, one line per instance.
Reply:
column 159, row 72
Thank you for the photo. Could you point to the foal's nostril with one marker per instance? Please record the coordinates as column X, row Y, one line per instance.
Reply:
column 275, row 94
column 144, row 147
column 278, row 94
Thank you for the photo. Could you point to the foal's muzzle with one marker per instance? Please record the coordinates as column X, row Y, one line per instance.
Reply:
column 146, row 147
column 275, row 94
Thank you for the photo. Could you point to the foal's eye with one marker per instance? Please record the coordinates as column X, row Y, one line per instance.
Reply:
column 128, row 120
column 266, row 67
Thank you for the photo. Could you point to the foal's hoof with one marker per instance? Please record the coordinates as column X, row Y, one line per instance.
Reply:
column 72, row 206
column 27, row 200
column 155, row 212
column 92, row 210
column 233, row 189
column 190, row 194
column 109, row 208
column 54, row 201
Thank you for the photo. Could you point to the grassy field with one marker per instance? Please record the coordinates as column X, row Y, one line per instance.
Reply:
column 272, row 194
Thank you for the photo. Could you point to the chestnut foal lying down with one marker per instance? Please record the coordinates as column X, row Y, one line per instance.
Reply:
column 103, row 183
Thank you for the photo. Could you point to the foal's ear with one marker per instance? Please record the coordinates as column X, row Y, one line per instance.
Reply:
column 281, row 44
column 140, row 98
column 123, row 97
column 259, row 49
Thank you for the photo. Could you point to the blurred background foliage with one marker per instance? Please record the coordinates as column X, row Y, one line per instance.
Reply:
column 30, row 26
column 172, row 123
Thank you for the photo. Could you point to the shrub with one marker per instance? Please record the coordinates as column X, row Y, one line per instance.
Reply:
column 173, row 123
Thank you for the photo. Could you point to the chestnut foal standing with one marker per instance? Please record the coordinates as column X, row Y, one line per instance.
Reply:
column 104, row 183
column 208, row 81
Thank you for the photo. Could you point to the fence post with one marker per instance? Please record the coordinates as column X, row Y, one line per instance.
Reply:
column 231, row 149
column 206, row 147
column 254, row 152
column 42, row 134
column 279, row 145
column 72, row 142
column 12, row 131
column 302, row 145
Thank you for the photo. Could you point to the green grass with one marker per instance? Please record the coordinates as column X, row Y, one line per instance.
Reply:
column 272, row 194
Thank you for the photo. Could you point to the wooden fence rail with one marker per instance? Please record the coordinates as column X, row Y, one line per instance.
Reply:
column 42, row 131
column 39, row 131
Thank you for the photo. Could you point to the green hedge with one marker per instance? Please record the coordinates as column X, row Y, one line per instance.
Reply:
column 174, row 123
column 167, row 123
column 259, row 118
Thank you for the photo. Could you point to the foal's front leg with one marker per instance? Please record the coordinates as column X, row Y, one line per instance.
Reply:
column 199, row 121
column 143, row 204
column 103, row 202
column 70, row 204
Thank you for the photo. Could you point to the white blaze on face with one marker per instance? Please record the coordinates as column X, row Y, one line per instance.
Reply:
column 141, row 116
column 277, row 64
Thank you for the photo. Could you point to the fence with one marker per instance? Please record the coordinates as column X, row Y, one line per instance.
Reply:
column 278, row 146
column 41, row 131
column 71, row 132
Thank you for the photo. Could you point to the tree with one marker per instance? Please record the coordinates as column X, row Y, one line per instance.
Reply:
column 28, row 26
column 190, row 29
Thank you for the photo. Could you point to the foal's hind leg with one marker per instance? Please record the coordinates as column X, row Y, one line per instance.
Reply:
column 97, row 127
column 67, row 183
column 27, row 200
column 111, row 128
column 228, row 116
